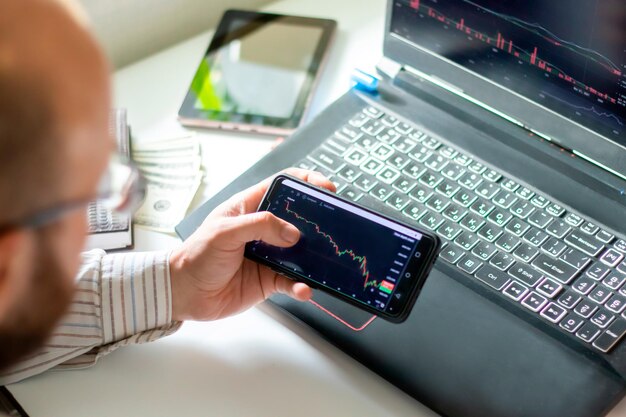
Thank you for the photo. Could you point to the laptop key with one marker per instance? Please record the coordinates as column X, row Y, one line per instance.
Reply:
column 349, row 173
column 534, row 301
column 404, row 185
column 414, row 170
column 463, row 160
column 454, row 212
column 365, row 183
column 492, row 277
column 555, row 210
column 388, row 136
column 600, row 294
column 366, row 142
column 558, row 228
column 602, row 318
column 388, row 175
column 484, row 250
column 509, row 184
column 575, row 258
column 489, row 232
column 540, row 201
column 430, row 179
column 515, row 290
column 337, row 145
column 398, row 201
column 339, row 183
column 585, row 308
column 553, row 247
column 507, row 242
column 502, row 261
column 356, row 156
column 620, row 245
column 405, row 145
column 398, row 161
column 451, row 254
column 611, row 336
column 436, row 162
column 555, row 268
column 373, row 112
column 371, row 166
column 351, row 193
column 477, row 167
column 597, row 271
column 420, row 194
column 467, row 240
column 306, row 164
column 447, row 189
column 589, row 228
column 522, row 209
column 553, row 312
column 327, row 159
column 359, row 120
column 449, row 230
column 420, row 154
column 505, row 199
column 616, row 304
column 525, row 193
column 472, row 222
column 432, row 220
column 614, row 281
column 404, row 128
column 611, row 257
column 452, row 171
column 470, row 180
column 525, row 253
column 431, row 143
column 604, row 236
column 499, row 217
column 569, row 299
column 491, row 175
column 381, row 151
column 414, row 211
column 574, row 219
column 572, row 322
column 464, row 198
column 549, row 287
column 583, row 285
column 539, row 219
column 482, row 208
column 469, row 264
column 588, row 244
column 487, row 190
column 373, row 127
column 382, row 191
column 535, row 237
column 588, row 332
column 517, row 227
column 390, row 121
column 525, row 273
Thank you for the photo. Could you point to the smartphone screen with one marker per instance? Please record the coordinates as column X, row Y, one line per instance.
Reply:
column 367, row 259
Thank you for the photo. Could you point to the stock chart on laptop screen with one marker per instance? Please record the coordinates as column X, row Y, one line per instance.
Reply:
column 569, row 56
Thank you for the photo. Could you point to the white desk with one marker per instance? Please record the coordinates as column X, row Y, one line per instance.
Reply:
column 259, row 363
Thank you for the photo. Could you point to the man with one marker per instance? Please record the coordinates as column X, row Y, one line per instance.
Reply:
column 54, row 148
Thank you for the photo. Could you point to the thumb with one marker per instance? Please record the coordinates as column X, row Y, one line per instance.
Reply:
column 264, row 226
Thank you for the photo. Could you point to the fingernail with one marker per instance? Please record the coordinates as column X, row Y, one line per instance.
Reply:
column 290, row 233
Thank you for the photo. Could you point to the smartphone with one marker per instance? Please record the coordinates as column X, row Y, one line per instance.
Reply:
column 366, row 259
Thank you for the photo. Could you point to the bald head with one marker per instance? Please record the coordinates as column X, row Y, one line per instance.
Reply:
column 53, row 102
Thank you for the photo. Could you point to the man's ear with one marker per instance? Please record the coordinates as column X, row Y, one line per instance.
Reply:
column 16, row 258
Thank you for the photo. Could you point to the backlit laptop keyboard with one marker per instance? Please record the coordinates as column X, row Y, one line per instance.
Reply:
column 511, row 238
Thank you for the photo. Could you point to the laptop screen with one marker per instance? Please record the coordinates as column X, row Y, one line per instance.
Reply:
column 568, row 56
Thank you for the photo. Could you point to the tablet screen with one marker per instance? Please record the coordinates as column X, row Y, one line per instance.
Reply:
column 258, row 70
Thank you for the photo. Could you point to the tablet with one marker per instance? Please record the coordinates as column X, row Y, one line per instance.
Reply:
column 258, row 73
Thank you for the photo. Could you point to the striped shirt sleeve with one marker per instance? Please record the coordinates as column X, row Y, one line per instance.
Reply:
column 120, row 299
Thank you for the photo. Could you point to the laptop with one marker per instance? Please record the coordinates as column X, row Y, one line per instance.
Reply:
column 502, row 127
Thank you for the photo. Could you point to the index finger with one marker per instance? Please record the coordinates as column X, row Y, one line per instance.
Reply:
column 248, row 200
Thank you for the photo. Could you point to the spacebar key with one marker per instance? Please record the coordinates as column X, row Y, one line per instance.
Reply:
column 555, row 268
column 492, row 277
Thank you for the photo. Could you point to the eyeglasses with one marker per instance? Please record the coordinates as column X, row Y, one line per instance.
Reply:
column 122, row 189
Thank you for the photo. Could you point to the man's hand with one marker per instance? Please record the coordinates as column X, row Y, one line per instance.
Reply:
column 210, row 277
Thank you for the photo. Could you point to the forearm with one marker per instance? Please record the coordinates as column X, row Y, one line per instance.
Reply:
column 120, row 299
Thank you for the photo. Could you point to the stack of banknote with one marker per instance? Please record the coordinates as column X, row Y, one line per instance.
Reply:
column 173, row 171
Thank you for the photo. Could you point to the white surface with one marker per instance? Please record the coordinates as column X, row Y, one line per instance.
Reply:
column 258, row 363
